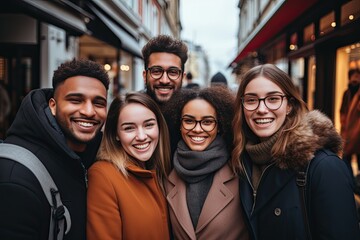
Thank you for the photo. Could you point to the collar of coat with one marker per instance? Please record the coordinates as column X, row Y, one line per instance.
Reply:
column 316, row 131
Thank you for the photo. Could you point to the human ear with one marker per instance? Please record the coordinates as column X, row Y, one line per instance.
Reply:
column 52, row 106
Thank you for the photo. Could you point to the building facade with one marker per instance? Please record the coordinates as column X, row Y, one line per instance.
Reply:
column 315, row 41
column 37, row 36
column 198, row 64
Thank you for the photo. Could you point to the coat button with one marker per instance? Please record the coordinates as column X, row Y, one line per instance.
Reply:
column 277, row 211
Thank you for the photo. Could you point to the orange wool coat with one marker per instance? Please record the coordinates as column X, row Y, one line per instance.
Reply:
column 125, row 208
column 221, row 216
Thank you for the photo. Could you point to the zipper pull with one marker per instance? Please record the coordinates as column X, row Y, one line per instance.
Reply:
column 254, row 202
column 85, row 174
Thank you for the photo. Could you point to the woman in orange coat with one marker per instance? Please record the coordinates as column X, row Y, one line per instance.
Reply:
column 125, row 197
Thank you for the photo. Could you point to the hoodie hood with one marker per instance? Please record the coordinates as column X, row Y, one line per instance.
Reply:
column 316, row 131
column 35, row 123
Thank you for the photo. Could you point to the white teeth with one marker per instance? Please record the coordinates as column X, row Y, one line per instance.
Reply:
column 85, row 124
column 198, row 139
column 164, row 89
column 263, row 121
column 141, row 146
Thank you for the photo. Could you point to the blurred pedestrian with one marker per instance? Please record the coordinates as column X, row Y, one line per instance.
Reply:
column 62, row 127
column 202, row 190
column 125, row 197
column 352, row 136
column 276, row 139
column 189, row 79
column 346, row 118
column 218, row 79
column 164, row 54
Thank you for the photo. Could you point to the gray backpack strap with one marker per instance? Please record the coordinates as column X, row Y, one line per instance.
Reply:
column 59, row 213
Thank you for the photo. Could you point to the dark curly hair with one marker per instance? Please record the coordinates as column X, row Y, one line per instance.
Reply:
column 220, row 97
column 353, row 71
column 81, row 67
column 167, row 44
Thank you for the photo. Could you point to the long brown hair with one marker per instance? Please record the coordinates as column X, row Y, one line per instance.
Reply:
column 111, row 150
column 242, row 131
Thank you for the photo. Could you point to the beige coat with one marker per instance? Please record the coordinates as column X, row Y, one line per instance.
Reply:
column 221, row 216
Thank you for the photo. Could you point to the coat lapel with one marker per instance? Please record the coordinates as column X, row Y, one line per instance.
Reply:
column 222, row 191
column 176, row 198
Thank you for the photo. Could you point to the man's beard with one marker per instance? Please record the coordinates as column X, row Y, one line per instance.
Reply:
column 151, row 92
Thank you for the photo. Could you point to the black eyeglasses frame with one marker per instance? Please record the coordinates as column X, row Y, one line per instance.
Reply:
column 263, row 99
column 165, row 70
column 199, row 122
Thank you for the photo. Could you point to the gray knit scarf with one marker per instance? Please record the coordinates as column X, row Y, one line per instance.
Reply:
column 197, row 169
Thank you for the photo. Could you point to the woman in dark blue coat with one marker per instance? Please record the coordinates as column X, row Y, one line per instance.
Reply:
column 275, row 137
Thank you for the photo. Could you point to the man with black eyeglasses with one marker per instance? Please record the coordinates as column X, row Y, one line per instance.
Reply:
column 164, row 60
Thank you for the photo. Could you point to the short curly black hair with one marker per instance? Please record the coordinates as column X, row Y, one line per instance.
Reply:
column 220, row 97
column 353, row 71
column 167, row 44
column 81, row 67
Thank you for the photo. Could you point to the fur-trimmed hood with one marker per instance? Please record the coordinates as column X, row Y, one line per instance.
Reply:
column 316, row 131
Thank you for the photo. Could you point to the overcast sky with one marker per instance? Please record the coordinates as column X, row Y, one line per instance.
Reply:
column 212, row 24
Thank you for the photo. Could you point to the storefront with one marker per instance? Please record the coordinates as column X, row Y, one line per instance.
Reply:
column 28, row 29
column 37, row 36
column 112, row 45
column 316, row 43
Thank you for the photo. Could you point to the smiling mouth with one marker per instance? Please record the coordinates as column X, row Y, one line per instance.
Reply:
column 264, row 121
column 198, row 139
column 141, row 146
column 164, row 89
column 85, row 124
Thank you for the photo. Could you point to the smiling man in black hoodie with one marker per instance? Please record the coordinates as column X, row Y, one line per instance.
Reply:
column 61, row 126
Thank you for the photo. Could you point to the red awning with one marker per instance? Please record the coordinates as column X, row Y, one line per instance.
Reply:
column 289, row 11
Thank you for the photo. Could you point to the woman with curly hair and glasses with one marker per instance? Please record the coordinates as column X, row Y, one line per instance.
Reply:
column 202, row 191
column 279, row 148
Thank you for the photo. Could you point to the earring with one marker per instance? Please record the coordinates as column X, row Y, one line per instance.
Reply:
column 117, row 139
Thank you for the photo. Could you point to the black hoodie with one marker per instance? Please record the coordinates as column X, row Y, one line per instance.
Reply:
column 24, row 210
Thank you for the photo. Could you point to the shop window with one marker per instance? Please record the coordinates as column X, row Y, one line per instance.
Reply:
column 126, row 72
column 311, row 66
column 350, row 12
column 309, row 33
column 347, row 57
column 276, row 50
column 293, row 45
column 354, row 55
column 327, row 23
column 3, row 76
column 297, row 73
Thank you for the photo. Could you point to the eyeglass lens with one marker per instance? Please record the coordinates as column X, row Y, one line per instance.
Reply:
column 206, row 124
column 272, row 102
column 172, row 73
